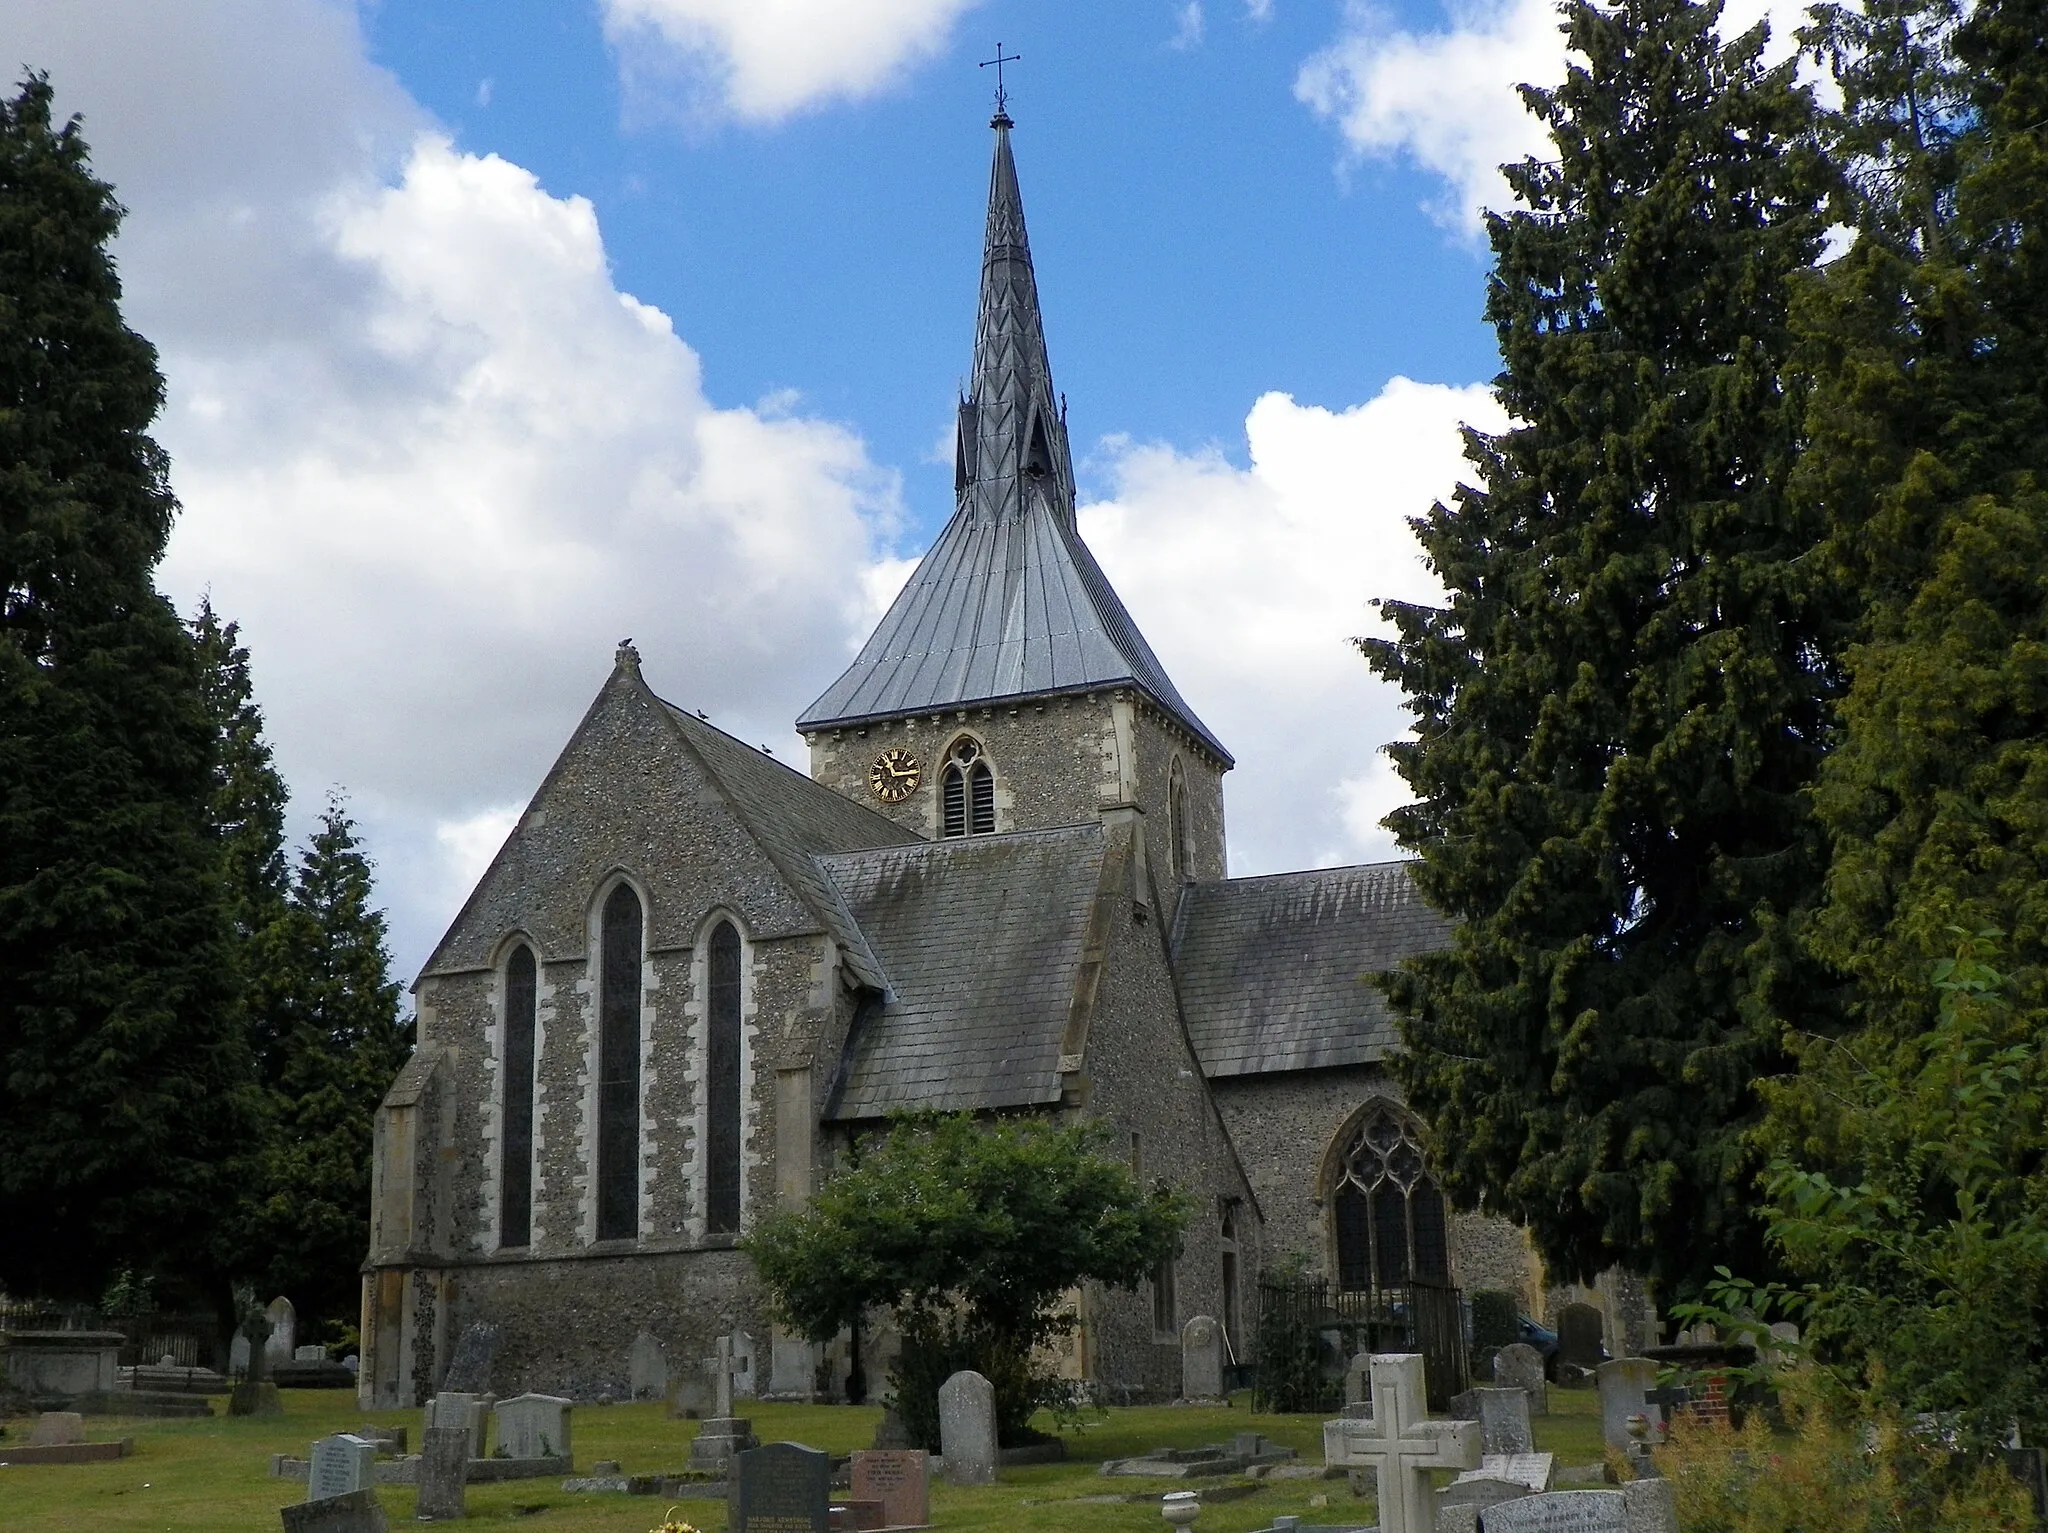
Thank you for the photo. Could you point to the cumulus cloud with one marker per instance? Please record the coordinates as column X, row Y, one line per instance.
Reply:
column 1447, row 100
column 762, row 60
column 431, row 458
column 1251, row 582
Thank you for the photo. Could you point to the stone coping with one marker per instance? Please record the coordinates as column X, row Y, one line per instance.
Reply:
column 66, row 1453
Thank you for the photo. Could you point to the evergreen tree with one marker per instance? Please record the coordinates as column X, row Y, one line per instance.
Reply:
column 338, row 1042
column 126, row 1104
column 1620, row 706
column 1928, row 344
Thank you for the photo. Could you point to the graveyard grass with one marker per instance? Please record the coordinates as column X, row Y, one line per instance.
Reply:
column 214, row 1475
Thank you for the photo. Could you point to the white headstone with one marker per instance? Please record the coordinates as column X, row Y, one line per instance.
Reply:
column 341, row 1464
column 1625, row 1384
column 284, row 1330
column 534, row 1426
column 1356, row 1387
column 1562, row 1511
column 1201, row 1359
column 1400, row 1444
column 647, row 1368
column 967, row 1428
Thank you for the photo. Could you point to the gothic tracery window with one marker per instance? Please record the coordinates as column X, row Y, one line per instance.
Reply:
column 515, row 1143
column 618, row 1068
column 1388, row 1211
column 722, row 1081
column 967, row 793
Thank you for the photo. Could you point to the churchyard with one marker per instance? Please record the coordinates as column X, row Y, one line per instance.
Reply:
column 214, row 1474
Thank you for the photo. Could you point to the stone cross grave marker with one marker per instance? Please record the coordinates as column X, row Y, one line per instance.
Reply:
column 1580, row 1336
column 647, row 1368
column 1201, row 1359
column 1401, row 1444
column 534, row 1426
column 284, row 1331
column 1625, row 1386
column 341, row 1464
column 356, row 1512
column 469, row 1371
column 57, row 1429
column 782, row 1488
column 1520, row 1366
column 723, row 1435
column 967, row 1428
column 444, row 1467
column 722, row 1365
column 899, row 1479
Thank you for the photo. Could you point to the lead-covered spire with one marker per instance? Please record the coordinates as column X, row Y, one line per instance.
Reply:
column 1012, row 442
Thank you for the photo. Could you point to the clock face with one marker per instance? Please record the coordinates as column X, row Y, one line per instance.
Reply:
column 895, row 775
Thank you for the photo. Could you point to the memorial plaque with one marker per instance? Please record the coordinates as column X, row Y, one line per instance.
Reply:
column 899, row 1478
column 1562, row 1511
column 341, row 1465
column 782, row 1488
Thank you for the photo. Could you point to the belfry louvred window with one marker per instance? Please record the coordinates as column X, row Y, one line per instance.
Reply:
column 1389, row 1214
column 618, row 1068
column 967, row 793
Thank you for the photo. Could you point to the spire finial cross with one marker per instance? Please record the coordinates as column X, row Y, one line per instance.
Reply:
column 1002, row 96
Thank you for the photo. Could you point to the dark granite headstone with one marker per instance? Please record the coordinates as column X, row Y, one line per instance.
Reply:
column 357, row 1512
column 782, row 1488
column 1580, row 1333
column 469, row 1373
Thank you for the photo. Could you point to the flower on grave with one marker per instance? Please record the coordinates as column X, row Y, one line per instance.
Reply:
column 670, row 1525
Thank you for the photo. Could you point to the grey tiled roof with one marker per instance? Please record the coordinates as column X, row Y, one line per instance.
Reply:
column 982, row 939
column 1008, row 602
column 1274, row 972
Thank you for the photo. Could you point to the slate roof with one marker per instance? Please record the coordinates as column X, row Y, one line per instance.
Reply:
column 1009, row 602
column 1274, row 972
column 969, row 1023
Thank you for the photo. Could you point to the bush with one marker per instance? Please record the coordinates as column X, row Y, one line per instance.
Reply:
column 1495, row 1313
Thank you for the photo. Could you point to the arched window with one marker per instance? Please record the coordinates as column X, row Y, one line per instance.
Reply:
column 967, row 795
column 618, row 1069
column 515, row 1144
column 1389, row 1214
column 1180, row 844
column 722, row 1082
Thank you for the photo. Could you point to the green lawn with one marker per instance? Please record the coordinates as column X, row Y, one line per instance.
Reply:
column 214, row 1475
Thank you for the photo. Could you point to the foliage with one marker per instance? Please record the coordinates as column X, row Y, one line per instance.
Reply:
column 1290, row 1351
column 970, row 1233
column 1817, row 1471
column 1911, row 1191
column 1620, row 705
column 1742, row 1313
column 1495, row 1324
column 126, row 1104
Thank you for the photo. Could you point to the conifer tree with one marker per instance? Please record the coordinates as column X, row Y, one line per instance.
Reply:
column 337, row 1043
column 1620, row 706
column 126, row 1103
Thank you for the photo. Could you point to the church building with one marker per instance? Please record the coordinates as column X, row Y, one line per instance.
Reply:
column 693, row 974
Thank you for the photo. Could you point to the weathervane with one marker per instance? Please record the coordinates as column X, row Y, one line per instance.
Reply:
column 1002, row 96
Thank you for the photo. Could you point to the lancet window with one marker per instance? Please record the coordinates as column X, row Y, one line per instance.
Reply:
column 967, row 792
column 618, row 1067
column 722, row 1080
column 515, row 1143
column 1388, row 1210
column 1179, row 835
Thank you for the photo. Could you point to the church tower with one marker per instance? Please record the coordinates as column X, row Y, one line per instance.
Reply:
column 1007, row 689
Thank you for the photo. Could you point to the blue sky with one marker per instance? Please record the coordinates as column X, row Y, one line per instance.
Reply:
column 497, row 330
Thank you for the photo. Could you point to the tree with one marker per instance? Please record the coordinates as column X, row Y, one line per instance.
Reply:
column 971, row 1233
column 126, row 1103
column 1928, row 346
column 1622, row 702
column 336, row 1041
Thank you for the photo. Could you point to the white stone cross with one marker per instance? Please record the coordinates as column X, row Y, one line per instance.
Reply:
column 722, row 1367
column 1401, row 1444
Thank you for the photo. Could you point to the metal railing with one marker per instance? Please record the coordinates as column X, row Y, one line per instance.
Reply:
column 1309, row 1330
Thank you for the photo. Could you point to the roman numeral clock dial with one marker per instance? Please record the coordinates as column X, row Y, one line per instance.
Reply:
column 895, row 775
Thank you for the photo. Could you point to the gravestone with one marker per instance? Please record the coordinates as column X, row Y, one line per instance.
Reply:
column 899, row 1479
column 723, row 1434
column 1641, row 1506
column 1400, row 1444
column 469, row 1371
column 1625, row 1386
column 465, row 1411
column 57, row 1429
column 967, row 1428
column 389, row 1440
column 647, row 1368
column 1201, row 1359
column 256, row 1395
column 1580, row 1333
column 238, row 1354
column 357, row 1512
column 1503, row 1417
column 782, row 1488
column 314, row 1353
column 1356, row 1379
column 1520, row 1366
column 444, row 1466
column 340, row 1465
column 534, row 1426
column 1475, row 1490
column 284, row 1330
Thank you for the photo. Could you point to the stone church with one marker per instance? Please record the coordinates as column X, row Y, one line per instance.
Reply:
column 692, row 974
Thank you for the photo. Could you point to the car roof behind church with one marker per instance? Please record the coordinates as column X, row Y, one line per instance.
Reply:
column 1275, row 973
column 982, row 940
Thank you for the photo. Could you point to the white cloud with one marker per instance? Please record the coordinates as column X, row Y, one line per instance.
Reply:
column 762, row 60
column 1250, row 583
column 1188, row 27
column 431, row 458
column 1448, row 100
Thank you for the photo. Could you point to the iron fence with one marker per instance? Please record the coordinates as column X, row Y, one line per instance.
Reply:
column 194, row 1340
column 1309, row 1331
